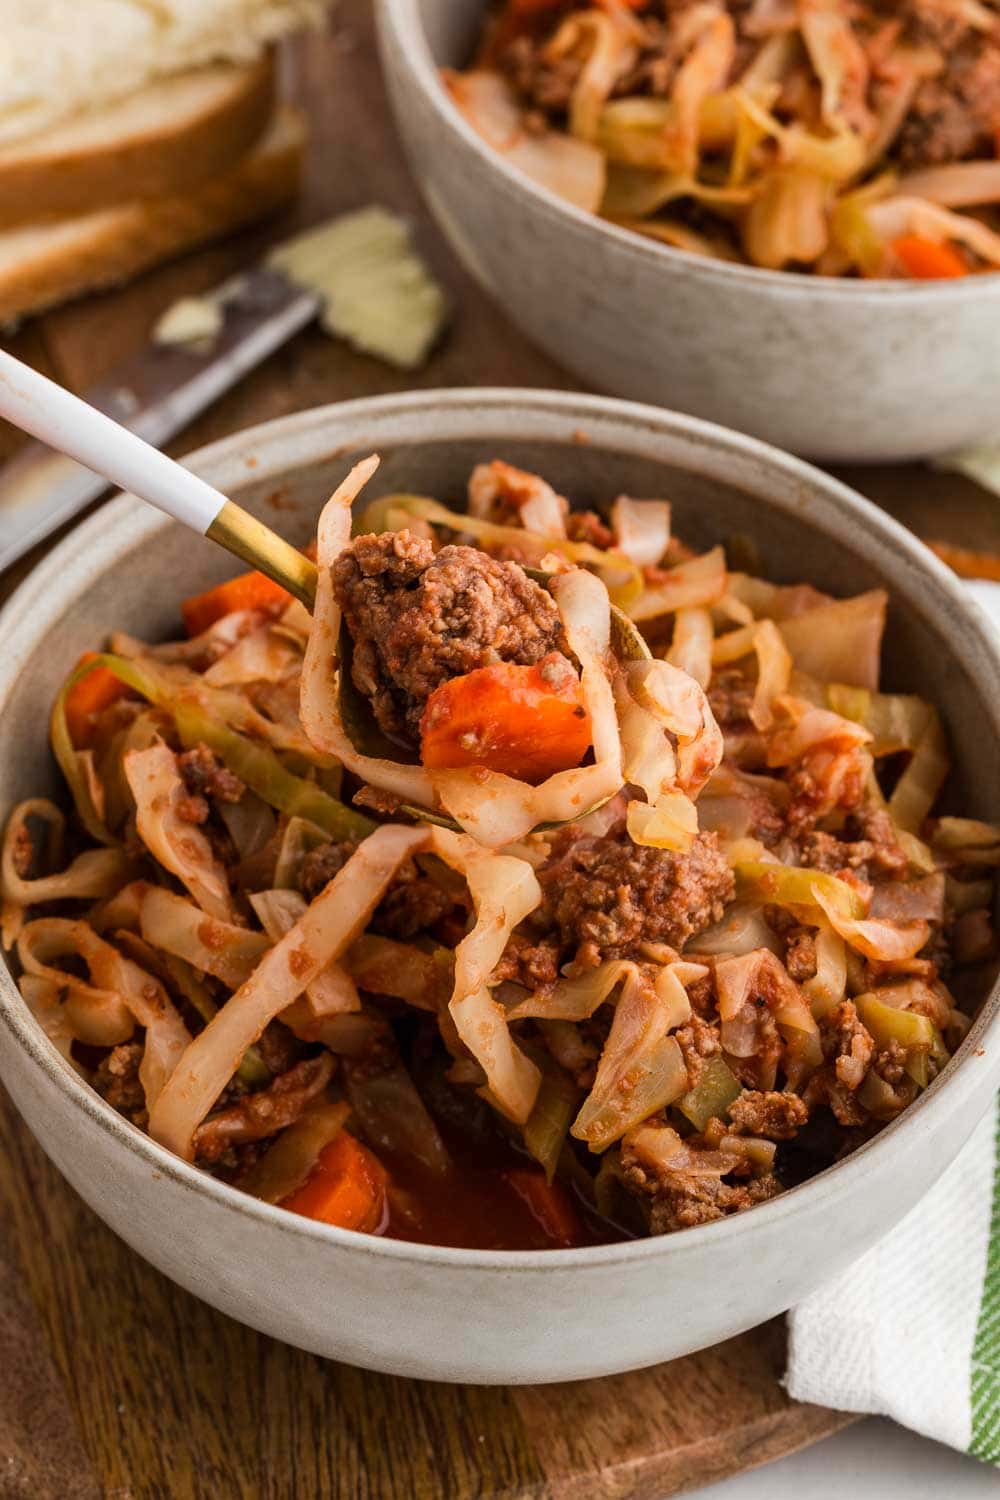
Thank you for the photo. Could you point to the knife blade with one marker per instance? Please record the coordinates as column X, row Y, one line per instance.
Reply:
column 155, row 393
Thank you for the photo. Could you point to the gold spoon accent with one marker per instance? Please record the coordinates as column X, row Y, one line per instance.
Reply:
column 55, row 416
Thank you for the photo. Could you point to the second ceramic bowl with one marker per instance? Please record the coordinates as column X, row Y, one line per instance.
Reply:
column 838, row 370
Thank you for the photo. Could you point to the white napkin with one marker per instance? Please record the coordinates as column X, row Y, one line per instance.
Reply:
column 912, row 1331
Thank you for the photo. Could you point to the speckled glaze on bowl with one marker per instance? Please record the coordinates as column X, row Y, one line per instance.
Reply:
column 835, row 369
column 471, row 1315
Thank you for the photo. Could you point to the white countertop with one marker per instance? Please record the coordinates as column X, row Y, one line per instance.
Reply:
column 874, row 1460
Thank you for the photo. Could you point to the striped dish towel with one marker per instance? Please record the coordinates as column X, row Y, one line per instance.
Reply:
column 912, row 1331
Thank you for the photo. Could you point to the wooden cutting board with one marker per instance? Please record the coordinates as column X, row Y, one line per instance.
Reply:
column 115, row 1385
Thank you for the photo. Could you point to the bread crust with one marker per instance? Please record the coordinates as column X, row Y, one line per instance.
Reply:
column 45, row 265
column 65, row 171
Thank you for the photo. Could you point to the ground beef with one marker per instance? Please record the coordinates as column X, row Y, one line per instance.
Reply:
column 386, row 804
column 320, row 865
column 813, row 797
column 413, row 903
column 279, row 1049
column 697, row 1040
column 702, row 997
column 730, row 696
column 849, row 1043
column 679, row 1200
column 257, row 1116
column 800, row 956
column 206, row 777
column 776, row 1117
column 956, row 114
column 587, row 526
column 873, row 854
column 611, row 894
column 418, row 618
column 533, row 964
column 700, row 1200
column 848, row 1049
column 117, row 1081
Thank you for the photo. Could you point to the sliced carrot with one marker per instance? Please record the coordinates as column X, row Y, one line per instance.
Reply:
column 967, row 562
column 88, row 698
column 549, row 1204
column 248, row 591
column 927, row 260
column 527, row 722
column 347, row 1187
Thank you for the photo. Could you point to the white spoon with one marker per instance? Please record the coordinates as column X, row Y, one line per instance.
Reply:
column 55, row 416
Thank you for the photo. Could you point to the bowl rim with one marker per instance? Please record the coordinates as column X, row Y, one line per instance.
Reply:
column 400, row 24
column 85, row 555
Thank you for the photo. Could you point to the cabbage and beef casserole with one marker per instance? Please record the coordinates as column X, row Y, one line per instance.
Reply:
column 551, row 883
column 839, row 137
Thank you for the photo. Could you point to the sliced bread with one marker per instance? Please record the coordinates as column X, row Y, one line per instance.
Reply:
column 58, row 57
column 168, row 138
column 43, row 264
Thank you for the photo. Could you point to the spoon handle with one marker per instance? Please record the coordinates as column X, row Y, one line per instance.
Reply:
column 55, row 416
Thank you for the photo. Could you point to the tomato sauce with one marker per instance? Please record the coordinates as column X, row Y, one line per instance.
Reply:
column 501, row 1202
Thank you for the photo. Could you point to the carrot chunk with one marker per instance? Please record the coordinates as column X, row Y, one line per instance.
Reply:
column 927, row 260
column 248, row 591
column 527, row 722
column 88, row 698
column 347, row 1187
column 549, row 1204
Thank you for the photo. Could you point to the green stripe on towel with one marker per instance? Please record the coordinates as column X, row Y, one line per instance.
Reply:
column 985, row 1384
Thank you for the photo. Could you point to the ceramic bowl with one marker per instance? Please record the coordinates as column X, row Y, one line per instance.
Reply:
column 836, row 369
column 472, row 1315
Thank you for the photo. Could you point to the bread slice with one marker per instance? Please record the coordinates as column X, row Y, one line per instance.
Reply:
column 42, row 264
column 58, row 57
column 168, row 138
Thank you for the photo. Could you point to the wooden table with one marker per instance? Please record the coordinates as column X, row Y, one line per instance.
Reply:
column 121, row 1387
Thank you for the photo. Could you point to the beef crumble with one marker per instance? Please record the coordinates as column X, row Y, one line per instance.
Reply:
column 419, row 617
column 320, row 865
column 413, row 903
column 207, row 780
column 774, row 1116
column 116, row 1079
column 606, row 895
column 675, row 1198
column 262, row 1114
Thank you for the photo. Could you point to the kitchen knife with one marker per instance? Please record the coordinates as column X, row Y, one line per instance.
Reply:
column 155, row 393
